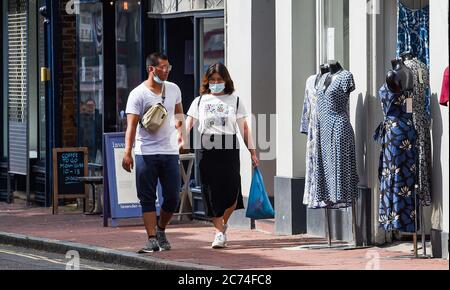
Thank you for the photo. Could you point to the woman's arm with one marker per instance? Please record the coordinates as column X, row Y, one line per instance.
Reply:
column 248, row 139
column 190, row 123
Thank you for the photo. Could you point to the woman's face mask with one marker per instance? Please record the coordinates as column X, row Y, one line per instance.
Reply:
column 217, row 88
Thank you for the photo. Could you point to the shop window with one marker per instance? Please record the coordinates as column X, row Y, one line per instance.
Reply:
column 90, row 78
column 212, row 42
column 3, row 98
column 41, row 89
column 334, row 31
column 128, row 55
column 171, row 6
column 17, row 80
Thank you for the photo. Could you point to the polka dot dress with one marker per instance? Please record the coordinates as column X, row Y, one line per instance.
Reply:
column 336, row 171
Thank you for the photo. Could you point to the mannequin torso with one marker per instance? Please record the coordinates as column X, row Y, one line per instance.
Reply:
column 335, row 69
column 401, row 78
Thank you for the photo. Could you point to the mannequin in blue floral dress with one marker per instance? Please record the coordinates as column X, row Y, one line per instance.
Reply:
column 397, row 170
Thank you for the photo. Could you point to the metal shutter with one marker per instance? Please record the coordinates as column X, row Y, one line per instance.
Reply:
column 17, row 86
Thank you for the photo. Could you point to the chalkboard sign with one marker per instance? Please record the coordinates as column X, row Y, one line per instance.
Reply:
column 69, row 164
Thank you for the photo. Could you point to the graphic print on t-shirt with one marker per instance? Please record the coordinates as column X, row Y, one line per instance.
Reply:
column 216, row 115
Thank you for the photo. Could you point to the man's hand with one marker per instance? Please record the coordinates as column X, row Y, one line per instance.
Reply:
column 127, row 162
column 132, row 122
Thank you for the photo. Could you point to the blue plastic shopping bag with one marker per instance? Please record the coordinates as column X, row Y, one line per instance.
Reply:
column 259, row 206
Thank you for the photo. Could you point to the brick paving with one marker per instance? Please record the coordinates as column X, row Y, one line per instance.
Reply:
column 191, row 243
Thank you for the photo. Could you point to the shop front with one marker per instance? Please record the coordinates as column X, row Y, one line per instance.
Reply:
column 271, row 49
column 67, row 73
column 111, row 59
column 23, row 100
column 192, row 39
column 364, row 37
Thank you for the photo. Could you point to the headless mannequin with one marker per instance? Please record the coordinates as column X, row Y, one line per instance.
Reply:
column 324, row 69
column 335, row 69
column 401, row 78
column 407, row 55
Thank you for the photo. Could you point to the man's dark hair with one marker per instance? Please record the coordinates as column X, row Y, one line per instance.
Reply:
column 155, row 58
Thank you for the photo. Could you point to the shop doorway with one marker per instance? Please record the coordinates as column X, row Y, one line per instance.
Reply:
column 179, row 46
column 192, row 42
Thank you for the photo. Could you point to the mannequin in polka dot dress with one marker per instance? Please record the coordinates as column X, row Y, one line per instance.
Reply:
column 336, row 171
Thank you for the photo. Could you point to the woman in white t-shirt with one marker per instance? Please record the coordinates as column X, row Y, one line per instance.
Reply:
column 219, row 114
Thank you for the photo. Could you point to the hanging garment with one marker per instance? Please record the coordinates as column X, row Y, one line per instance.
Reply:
column 422, row 125
column 413, row 36
column 397, row 169
column 336, row 175
column 444, row 93
column 308, row 126
column 413, row 32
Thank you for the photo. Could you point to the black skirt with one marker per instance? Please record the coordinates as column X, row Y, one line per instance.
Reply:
column 220, row 175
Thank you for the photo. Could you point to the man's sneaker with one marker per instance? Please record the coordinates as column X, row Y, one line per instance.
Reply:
column 150, row 247
column 219, row 241
column 164, row 244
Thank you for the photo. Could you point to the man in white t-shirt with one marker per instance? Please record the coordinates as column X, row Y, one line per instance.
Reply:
column 157, row 154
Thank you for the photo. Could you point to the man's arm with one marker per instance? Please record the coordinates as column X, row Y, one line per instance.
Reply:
column 132, row 122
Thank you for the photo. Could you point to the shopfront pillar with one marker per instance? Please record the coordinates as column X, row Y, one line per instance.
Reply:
column 296, row 61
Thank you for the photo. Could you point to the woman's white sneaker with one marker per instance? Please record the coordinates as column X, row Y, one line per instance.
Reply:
column 219, row 241
column 225, row 228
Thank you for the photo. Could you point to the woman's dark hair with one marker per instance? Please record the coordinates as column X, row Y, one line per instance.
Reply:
column 222, row 70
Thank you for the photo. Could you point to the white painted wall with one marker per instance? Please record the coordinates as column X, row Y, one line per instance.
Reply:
column 365, row 112
column 359, row 98
column 239, row 55
column 285, row 154
column 439, row 61
column 264, row 87
column 296, row 61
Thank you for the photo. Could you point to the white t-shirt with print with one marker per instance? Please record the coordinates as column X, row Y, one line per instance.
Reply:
column 164, row 141
column 217, row 114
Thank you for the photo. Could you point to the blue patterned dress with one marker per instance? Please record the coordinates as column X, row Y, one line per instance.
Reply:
column 397, row 170
column 413, row 35
column 413, row 32
column 308, row 126
column 336, row 174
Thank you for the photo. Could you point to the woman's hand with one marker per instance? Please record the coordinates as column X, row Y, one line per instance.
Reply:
column 255, row 160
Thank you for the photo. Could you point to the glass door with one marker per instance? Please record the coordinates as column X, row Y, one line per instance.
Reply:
column 41, row 86
column 90, row 78
column 210, row 49
column 212, row 42
column 334, row 31
column 128, row 55
column 210, row 45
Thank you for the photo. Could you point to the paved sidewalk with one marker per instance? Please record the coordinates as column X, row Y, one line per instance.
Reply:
column 191, row 244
